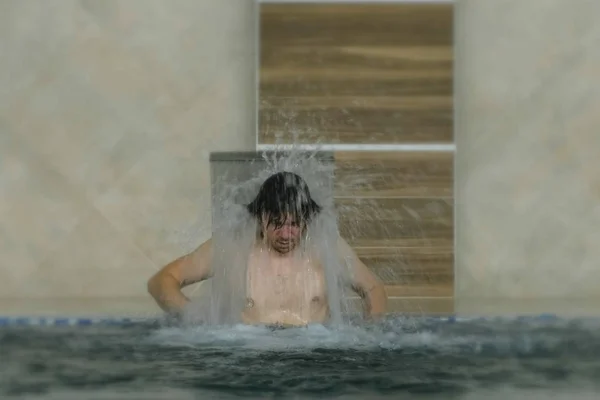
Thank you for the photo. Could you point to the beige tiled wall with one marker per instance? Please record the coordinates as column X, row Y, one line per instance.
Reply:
column 528, row 158
column 109, row 109
column 108, row 112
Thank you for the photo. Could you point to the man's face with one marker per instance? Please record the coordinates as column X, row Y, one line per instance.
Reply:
column 284, row 238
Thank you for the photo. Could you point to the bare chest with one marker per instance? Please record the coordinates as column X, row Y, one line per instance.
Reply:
column 284, row 280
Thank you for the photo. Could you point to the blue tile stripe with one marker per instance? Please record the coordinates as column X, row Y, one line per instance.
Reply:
column 66, row 321
column 521, row 318
column 86, row 321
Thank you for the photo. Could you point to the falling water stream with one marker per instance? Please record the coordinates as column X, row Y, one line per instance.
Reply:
column 235, row 236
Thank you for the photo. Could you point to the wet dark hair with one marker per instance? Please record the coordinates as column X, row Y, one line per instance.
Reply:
column 284, row 194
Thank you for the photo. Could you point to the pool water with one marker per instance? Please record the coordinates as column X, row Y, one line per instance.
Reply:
column 408, row 358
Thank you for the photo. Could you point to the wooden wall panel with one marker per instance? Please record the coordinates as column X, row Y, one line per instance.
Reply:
column 393, row 174
column 355, row 73
column 404, row 222
column 372, row 73
column 396, row 210
column 414, row 306
column 412, row 271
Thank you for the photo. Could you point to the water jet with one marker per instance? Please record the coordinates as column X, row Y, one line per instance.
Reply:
column 235, row 180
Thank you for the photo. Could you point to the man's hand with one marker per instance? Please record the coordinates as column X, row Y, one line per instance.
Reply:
column 165, row 286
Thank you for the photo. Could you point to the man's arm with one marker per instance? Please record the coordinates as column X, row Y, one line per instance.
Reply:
column 364, row 282
column 165, row 286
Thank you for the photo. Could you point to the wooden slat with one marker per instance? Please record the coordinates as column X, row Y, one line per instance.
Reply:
column 393, row 174
column 413, row 290
column 356, row 73
column 412, row 271
column 415, row 306
column 383, row 25
column 404, row 222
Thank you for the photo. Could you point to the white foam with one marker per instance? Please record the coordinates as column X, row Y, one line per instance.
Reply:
column 299, row 339
column 502, row 338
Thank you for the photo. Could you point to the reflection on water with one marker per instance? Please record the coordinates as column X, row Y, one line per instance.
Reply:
column 398, row 357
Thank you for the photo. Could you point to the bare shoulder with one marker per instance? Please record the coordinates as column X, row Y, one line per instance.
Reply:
column 192, row 267
column 200, row 260
column 202, row 253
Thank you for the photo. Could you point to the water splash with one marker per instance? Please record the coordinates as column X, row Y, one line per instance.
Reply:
column 234, row 236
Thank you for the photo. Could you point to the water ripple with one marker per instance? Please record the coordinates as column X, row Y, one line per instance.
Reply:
column 399, row 356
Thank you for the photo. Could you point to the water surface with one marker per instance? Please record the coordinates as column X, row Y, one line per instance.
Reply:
column 409, row 358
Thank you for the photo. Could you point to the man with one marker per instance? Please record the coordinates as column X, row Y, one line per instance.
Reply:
column 285, row 284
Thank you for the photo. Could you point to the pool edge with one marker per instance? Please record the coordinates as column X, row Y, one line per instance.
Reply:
column 6, row 321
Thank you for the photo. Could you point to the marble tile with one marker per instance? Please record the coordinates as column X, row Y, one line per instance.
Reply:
column 129, row 78
column 97, row 177
column 84, row 134
column 136, row 307
column 170, row 63
column 72, row 134
column 14, row 168
column 95, row 261
column 41, row 209
column 527, row 169
column 35, row 37
column 151, row 208
column 17, row 262
column 108, row 113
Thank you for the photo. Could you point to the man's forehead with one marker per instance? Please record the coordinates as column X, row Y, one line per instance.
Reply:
column 284, row 217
